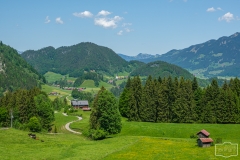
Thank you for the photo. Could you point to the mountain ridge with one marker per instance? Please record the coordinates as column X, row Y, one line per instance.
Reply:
column 74, row 59
column 212, row 58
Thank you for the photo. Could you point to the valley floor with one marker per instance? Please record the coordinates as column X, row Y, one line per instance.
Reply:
column 138, row 140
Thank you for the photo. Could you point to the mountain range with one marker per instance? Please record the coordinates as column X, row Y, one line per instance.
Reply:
column 85, row 57
column 214, row 58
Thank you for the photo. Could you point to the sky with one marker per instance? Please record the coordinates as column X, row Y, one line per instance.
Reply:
column 128, row 27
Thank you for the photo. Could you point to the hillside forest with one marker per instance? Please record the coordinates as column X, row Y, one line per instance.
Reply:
column 15, row 72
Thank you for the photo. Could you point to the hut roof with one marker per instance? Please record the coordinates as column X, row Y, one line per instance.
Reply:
column 206, row 140
column 204, row 132
column 79, row 103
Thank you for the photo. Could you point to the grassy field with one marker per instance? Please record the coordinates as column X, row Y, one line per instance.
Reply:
column 52, row 77
column 138, row 140
column 63, row 93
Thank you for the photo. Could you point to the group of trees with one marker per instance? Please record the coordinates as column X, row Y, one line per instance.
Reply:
column 180, row 101
column 82, row 95
column 27, row 107
column 105, row 118
column 88, row 76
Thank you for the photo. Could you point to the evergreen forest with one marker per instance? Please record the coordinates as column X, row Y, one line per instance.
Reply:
column 15, row 72
column 180, row 101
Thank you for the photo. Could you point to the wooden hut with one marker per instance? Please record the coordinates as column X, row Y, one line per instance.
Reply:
column 204, row 142
column 203, row 134
column 203, row 139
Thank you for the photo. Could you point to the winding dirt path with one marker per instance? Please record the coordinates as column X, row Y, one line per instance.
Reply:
column 69, row 129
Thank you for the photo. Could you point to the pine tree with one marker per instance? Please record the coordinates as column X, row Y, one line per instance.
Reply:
column 135, row 99
column 194, row 84
column 210, row 102
column 124, row 102
column 162, row 101
column 147, row 108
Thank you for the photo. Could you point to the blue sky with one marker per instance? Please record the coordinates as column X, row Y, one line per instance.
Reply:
column 127, row 27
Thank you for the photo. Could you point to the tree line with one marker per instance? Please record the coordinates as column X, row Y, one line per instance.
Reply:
column 180, row 101
column 29, row 109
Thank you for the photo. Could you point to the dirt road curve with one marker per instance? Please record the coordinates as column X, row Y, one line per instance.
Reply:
column 68, row 124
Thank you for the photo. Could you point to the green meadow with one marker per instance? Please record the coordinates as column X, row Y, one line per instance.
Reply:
column 138, row 140
column 52, row 77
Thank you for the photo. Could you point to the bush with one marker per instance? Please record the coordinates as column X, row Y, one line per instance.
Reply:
column 193, row 136
column 97, row 134
column 34, row 125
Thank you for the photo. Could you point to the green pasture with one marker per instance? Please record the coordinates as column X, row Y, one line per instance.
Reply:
column 138, row 140
column 63, row 93
column 52, row 77
column 123, row 73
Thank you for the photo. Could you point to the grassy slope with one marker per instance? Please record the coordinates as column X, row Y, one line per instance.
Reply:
column 63, row 93
column 52, row 77
column 137, row 140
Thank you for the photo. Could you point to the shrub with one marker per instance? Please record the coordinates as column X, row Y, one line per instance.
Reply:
column 34, row 125
column 193, row 136
column 97, row 134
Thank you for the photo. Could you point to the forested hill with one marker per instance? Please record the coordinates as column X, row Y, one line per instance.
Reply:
column 15, row 72
column 162, row 69
column 74, row 59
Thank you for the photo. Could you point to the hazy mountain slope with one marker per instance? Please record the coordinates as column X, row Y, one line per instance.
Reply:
column 139, row 57
column 213, row 58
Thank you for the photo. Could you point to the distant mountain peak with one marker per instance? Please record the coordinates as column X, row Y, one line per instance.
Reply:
column 235, row 35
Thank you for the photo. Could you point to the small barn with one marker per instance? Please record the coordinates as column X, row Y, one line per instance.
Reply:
column 204, row 142
column 80, row 104
column 203, row 134
column 203, row 139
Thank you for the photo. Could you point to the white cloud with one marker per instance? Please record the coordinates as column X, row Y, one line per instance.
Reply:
column 58, row 20
column 108, row 22
column 85, row 14
column 47, row 20
column 103, row 13
column 128, row 30
column 226, row 17
column 120, row 33
column 126, row 24
column 219, row 8
column 211, row 9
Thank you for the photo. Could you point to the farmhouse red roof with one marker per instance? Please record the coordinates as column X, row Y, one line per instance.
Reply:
column 206, row 140
column 204, row 132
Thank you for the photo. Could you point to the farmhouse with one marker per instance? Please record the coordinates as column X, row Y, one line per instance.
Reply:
column 203, row 139
column 83, row 104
